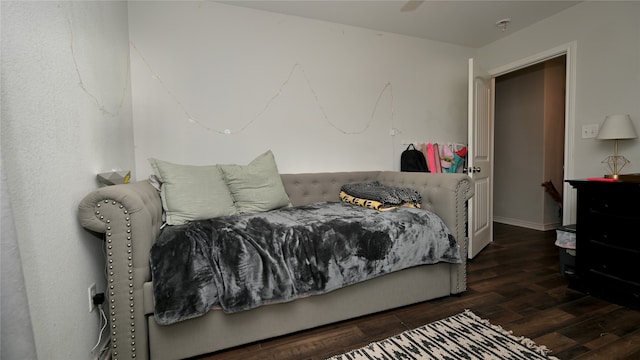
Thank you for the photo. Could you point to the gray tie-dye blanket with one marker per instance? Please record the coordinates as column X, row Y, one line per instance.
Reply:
column 243, row 261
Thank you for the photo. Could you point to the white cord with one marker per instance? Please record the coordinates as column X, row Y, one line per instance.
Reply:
column 103, row 327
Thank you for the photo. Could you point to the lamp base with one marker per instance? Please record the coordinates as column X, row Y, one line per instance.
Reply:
column 615, row 164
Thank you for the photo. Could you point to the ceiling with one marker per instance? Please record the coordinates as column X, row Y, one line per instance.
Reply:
column 468, row 23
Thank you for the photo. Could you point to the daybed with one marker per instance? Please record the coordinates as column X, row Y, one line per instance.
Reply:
column 130, row 216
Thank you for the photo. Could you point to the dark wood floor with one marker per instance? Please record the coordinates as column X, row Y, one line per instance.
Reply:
column 515, row 283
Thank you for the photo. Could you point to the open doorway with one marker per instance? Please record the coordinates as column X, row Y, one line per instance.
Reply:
column 529, row 142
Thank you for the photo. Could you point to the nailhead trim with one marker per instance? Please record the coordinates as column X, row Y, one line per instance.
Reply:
column 462, row 223
column 112, row 274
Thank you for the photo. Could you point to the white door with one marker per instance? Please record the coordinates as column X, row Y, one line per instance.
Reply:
column 480, row 157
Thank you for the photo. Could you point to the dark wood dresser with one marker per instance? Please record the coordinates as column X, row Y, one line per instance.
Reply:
column 608, row 241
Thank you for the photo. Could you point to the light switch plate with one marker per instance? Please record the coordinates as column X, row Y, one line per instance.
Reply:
column 590, row 131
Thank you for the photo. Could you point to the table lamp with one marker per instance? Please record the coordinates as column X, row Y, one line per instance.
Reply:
column 616, row 127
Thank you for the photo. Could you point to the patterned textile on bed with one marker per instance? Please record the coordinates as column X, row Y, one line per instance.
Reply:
column 240, row 262
column 387, row 195
column 372, row 204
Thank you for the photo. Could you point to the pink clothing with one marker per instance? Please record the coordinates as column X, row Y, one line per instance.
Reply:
column 430, row 159
column 436, row 158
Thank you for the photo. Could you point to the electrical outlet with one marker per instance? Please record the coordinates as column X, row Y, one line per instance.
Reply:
column 92, row 292
column 590, row 131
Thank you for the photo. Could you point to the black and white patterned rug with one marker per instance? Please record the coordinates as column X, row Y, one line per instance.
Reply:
column 462, row 336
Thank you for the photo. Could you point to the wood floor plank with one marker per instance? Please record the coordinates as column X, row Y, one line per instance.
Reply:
column 626, row 347
column 556, row 341
column 619, row 322
column 536, row 324
column 602, row 340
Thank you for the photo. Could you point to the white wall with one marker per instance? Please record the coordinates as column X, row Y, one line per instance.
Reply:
column 519, row 130
column 66, row 115
column 293, row 85
column 607, row 34
column 529, row 143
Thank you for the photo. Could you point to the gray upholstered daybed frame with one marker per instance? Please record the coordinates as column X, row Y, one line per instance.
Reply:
column 130, row 216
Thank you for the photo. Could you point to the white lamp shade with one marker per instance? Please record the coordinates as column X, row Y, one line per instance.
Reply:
column 617, row 127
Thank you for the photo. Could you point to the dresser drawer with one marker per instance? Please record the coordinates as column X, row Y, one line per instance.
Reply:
column 612, row 201
column 622, row 233
column 612, row 207
column 614, row 289
column 611, row 260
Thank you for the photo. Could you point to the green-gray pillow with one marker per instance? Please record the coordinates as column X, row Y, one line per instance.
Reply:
column 256, row 187
column 191, row 192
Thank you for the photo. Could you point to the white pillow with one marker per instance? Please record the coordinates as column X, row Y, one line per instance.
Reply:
column 256, row 187
column 191, row 192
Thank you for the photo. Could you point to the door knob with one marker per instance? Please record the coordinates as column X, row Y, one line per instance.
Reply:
column 471, row 170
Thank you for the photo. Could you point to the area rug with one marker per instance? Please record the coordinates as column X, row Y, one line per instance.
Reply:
column 462, row 336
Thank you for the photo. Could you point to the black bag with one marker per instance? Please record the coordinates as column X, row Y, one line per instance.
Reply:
column 413, row 160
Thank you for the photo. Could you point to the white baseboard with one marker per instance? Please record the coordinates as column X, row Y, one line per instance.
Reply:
column 526, row 224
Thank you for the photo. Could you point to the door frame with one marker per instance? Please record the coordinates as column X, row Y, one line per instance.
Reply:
column 569, row 50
